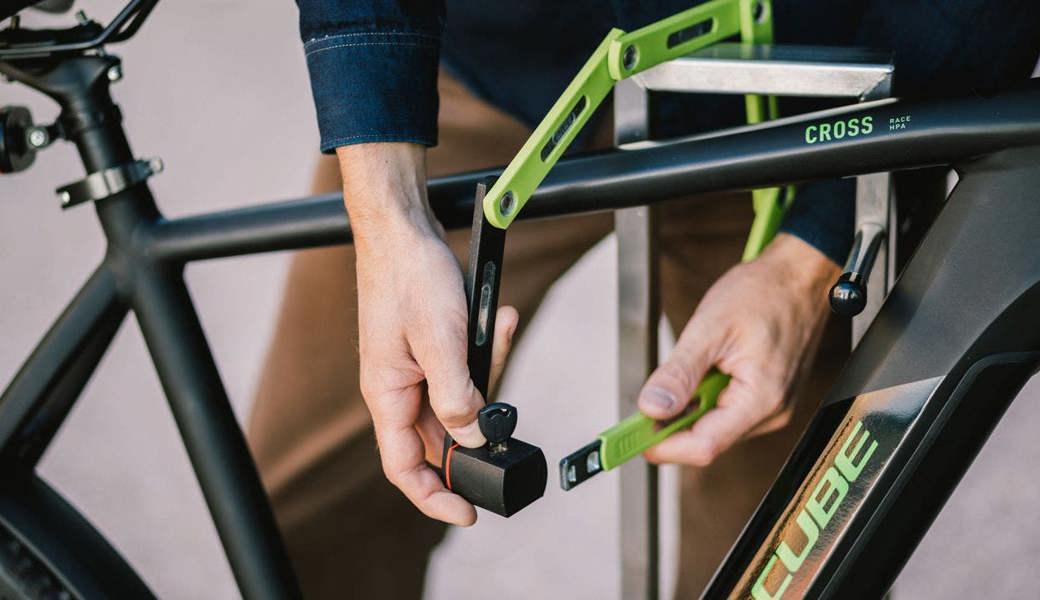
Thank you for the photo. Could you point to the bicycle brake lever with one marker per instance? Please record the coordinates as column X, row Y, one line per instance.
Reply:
column 506, row 474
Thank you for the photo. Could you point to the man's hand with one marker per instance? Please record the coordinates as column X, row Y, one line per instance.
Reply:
column 412, row 324
column 757, row 323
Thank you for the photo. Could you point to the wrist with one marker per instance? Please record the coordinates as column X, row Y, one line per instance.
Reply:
column 800, row 264
column 384, row 192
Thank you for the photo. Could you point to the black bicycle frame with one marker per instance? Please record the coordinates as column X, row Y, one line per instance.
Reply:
column 955, row 341
column 932, row 376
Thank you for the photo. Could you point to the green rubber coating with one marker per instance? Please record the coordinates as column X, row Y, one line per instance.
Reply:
column 675, row 36
column 618, row 56
column 551, row 138
column 638, row 433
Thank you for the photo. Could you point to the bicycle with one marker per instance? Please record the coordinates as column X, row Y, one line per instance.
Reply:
column 886, row 449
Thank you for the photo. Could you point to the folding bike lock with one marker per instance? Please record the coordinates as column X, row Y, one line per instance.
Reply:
column 506, row 474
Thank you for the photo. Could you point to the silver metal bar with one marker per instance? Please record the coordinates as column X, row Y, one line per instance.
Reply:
column 775, row 70
column 873, row 210
column 638, row 314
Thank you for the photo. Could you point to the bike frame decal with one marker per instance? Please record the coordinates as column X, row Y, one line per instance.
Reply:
column 834, row 491
column 840, row 129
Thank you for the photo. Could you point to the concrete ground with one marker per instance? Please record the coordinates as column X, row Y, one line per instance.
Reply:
column 218, row 89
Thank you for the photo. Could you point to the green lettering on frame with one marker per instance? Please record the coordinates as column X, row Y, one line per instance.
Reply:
column 846, row 460
column 825, row 132
column 812, row 533
column 827, row 497
column 759, row 591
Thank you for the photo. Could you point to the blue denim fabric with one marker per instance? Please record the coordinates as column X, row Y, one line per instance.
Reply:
column 373, row 65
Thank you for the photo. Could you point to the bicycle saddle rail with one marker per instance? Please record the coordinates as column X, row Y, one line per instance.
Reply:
column 121, row 28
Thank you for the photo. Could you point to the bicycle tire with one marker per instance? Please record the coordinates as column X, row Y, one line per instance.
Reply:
column 50, row 551
column 24, row 575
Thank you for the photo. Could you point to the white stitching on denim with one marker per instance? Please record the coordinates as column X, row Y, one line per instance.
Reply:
column 314, row 41
column 376, row 136
column 313, row 52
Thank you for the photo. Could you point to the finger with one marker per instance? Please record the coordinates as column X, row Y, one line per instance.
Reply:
column 432, row 433
column 506, row 321
column 672, row 385
column 774, row 423
column 403, row 455
column 454, row 398
column 713, row 433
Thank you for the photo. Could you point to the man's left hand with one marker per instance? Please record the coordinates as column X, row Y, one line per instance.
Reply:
column 758, row 323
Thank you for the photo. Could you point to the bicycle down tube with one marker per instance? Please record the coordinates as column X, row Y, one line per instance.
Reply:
column 954, row 342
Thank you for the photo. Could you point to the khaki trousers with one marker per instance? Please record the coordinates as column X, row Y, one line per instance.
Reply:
column 346, row 527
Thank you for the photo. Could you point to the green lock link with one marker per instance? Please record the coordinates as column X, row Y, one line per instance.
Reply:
column 675, row 36
column 637, row 433
column 551, row 138
column 658, row 42
column 770, row 204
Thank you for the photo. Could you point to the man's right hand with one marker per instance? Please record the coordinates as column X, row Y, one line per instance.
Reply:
column 412, row 324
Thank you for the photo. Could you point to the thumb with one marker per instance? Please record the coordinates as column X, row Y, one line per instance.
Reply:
column 441, row 354
column 671, row 386
column 506, row 321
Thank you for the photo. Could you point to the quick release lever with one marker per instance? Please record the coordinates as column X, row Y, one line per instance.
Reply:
column 848, row 296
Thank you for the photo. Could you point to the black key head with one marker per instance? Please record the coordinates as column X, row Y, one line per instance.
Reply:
column 497, row 422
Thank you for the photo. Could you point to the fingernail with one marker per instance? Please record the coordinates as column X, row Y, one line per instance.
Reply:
column 658, row 397
column 469, row 436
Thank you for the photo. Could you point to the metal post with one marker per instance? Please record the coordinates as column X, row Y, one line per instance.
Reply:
column 638, row 315
column 874, row 206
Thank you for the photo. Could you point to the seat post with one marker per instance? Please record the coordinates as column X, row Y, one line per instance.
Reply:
column 91, row 120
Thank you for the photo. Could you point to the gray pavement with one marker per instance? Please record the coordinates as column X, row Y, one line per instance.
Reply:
column 219, row 90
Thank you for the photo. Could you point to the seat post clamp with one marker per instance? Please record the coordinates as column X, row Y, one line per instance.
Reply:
column 108, row 182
